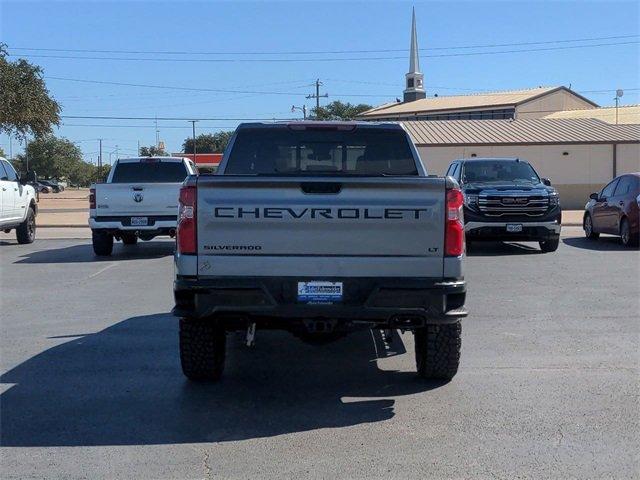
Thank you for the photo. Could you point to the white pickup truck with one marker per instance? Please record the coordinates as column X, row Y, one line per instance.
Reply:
column 139, row 200
column 18, row 204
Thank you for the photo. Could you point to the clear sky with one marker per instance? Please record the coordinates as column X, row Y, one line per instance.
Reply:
column 247, row 48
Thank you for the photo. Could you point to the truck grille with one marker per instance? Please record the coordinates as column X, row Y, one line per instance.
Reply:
column 498, row 205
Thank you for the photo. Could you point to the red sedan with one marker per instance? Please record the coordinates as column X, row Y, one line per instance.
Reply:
column 615, row 210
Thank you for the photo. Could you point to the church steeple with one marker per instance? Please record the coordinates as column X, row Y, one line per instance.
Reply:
column 414, row 79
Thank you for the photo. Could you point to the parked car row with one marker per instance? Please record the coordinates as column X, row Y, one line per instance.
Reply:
column 48, row 186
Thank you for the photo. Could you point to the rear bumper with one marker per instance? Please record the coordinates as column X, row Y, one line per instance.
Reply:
column 157, row 223
column 272, row 301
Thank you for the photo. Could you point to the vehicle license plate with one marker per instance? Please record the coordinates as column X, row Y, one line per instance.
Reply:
column 514, row 227
column 139, row 221
column 319, row 292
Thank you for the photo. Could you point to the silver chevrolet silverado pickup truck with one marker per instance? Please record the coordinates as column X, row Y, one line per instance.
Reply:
column 320, row 229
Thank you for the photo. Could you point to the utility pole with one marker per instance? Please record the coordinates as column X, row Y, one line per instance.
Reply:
column 193, row 127
column 10, row 147
column 100, row 152
column 138, row 147
column 116, row 153
column 26, row 153
column 317, row 95
column 157, row 133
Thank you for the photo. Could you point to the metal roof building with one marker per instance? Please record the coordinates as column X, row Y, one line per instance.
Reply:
column 563, row 131
column 624, row 114
column 579, row 155
column 529, row 103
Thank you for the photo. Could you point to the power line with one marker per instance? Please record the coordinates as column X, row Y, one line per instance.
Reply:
column 100, row 125
column 105, row 117
column 344, row 59
column 321, row 52
column 196, row 89
column 216, row 90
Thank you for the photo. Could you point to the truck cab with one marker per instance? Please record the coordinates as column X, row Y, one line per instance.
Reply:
column 505, row 199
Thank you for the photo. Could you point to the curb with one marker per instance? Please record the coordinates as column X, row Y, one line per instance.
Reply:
column 62, row 226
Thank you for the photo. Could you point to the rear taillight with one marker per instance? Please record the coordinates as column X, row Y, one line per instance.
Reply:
column 92, row 198
column 186, row 238
column 454, row 224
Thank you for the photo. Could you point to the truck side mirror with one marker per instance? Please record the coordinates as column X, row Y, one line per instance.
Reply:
column 546, row 181
column 594, row 196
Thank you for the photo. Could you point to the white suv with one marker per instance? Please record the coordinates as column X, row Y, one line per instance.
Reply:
column 18, row 206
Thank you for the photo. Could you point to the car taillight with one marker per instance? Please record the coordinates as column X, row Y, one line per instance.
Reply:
column 92, row 198
column 186, row 232
column 454, row 224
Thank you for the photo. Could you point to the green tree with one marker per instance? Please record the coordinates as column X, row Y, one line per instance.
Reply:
column 51, row 157
column 25, row 104
column 338, row 111
column 208, row 142
column 152, row 151
column 82, row 174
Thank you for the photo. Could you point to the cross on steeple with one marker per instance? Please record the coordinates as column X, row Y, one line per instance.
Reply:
column 414, row 79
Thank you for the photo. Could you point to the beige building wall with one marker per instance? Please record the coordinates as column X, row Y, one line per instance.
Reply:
column 628, row 158
column 545, row 105
column 584, row 168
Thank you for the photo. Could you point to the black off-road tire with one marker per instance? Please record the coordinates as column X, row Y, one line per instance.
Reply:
column 438, row 350
column 587, row 226
column 550, row 245
column 102, row 243
column 626, row 238
column 129, row 239
column 202, row 350
column 26, row 231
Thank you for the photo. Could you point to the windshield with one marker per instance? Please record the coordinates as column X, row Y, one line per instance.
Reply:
column 498, row 171
column 367, row 152
column 149, row 172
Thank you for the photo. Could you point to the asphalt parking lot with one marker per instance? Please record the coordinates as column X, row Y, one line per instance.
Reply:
column 91, row 385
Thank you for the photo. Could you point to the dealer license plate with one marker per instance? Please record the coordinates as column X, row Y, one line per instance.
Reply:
column 514, row 227
column 320, row 292
column 139, row 221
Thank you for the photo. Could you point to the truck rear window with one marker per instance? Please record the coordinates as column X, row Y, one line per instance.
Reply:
column 367, row 152
column 149, row 172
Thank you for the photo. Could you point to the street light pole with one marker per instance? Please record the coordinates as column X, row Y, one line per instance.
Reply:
column 195, row 150
column 303, row 109
column 619, row 94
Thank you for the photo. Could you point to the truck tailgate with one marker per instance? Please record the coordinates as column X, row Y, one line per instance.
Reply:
column 142, row 199
column 266, row 226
